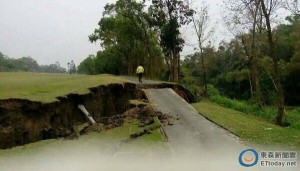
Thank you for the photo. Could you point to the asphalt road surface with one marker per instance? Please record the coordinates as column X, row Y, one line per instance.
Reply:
column 199, row 142
column 193, row 137
column 136, row 80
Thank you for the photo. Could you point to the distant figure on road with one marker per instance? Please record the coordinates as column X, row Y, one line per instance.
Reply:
column 140, row 72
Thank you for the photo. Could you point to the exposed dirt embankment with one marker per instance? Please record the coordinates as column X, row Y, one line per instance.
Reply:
column 24, row 121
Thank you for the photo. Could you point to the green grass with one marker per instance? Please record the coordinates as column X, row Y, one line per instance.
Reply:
column 250, row 128
column 291, row 117
column 123, row 133
column 46, row 87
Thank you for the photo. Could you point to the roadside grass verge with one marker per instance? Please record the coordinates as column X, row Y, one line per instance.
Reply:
column 250, row 128
column 291, row 117
column 46, row 87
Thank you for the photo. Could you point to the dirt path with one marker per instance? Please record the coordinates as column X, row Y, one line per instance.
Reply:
column 191, row 134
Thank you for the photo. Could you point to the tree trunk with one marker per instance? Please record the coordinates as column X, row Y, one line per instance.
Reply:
column 257, row 87
column 253, row 58
column 175, row 67
column 204, row 72
column 256, row 82
column 178, row 66
column 254, row 78
column 128, row 68
column 169, row 67
column 280, row 93
column 250, row 83
column 172, row 67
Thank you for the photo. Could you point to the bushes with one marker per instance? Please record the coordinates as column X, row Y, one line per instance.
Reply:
column 292, row 117
column 243, row 106
column 212, row 91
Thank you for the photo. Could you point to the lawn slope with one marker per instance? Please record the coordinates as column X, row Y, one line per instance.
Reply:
column 250, row 128
column 46, row 87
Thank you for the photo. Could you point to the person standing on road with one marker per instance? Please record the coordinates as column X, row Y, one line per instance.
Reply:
column 140, row 72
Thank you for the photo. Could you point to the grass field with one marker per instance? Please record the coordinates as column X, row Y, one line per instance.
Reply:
column 46, row 87
column 250, row 128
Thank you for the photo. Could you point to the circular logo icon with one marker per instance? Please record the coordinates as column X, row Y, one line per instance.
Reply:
column 248, row 158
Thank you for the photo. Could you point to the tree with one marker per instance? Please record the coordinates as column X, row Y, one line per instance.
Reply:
column 292, row 82
column 125, row 32
column 168, row 16
column 3, row 62
column 268, row 8
column 203, row 32
column 72, row 67
column 87, row 66
column 230, row 74
column 193, row 74
column 296, row 58
column 245, row 22
column 293, row 6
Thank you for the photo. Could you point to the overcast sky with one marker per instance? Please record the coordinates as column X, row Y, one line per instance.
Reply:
column 57, row 30
column 49, row 30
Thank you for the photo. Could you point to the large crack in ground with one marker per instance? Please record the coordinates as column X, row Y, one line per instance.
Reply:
column 24, row 121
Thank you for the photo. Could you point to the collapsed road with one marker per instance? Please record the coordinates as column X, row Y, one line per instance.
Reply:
column 23, row 121
column 195, row 142
column 191, row 134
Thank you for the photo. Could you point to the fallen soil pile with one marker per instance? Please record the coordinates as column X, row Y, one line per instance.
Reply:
column 145, row 115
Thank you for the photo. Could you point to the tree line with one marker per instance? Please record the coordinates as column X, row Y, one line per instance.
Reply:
column 260, row 64
column 27, row 64
column 133, row 33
